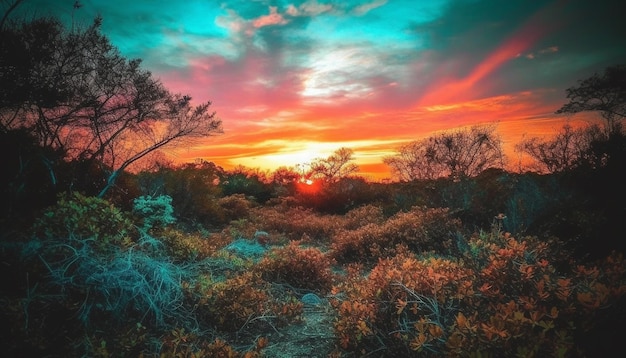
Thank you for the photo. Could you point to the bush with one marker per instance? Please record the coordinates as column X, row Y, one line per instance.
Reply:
column 302, row 268
column 361, row 216
column 503, row 298
column 234, row 207
column 297, row 223
column 128, row 281
column 155, row 212
column 421, row 230
column 184, row 247
column 246, row 301
column 85, row 217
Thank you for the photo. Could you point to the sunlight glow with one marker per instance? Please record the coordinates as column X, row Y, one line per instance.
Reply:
column 293, row 154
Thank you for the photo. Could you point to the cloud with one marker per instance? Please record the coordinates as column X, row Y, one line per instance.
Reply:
column 273, row 18
column 309, row 8
column 365, row 8
column 366, row 74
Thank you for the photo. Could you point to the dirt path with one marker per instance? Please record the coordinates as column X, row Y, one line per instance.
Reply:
column 313, row 338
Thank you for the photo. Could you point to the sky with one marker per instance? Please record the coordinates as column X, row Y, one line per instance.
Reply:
column 296, row 80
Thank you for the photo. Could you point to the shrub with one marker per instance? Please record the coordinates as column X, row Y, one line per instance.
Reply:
column 303, row 268
column 234, row 207
column 503, row 298
column 184, row 247
column 297, row 223
column 245, row 300
column 398, row 295
column 155, row 212
column 420, row 229
column 85, row 218
column 361, row 216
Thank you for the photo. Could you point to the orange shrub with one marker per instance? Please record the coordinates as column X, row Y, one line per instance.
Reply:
column 306, row 268
column 296, row 223
column 244, row 301
column 361, row 216
column 234, row 207
column 420, row 229
column 503, row 298
column 183, row 246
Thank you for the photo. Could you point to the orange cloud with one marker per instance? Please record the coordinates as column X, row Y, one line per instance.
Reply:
column 274, row 18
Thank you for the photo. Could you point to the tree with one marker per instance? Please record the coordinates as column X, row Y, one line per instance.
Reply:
column 336, row 166
column 284, row 180
column 414, row 161
column 568, row 149
column 605, row 93
column 247, row 181
column 75, row 92
column 455, row 154
column 193, row 187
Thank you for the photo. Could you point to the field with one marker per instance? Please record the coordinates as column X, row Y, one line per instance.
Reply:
column 279, row 279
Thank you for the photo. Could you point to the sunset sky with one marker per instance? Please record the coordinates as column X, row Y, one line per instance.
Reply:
column 295, row 80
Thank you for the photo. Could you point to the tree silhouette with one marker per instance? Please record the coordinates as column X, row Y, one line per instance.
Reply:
column 454, row 154
column 568, row 149
column 605, row 93
column 75, row 92
column 336, row 166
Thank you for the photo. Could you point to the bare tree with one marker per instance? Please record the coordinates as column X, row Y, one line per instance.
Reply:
column 336, row 166
column 414, row 160
column 76, row 92
column 455, row 154
column 568, row 149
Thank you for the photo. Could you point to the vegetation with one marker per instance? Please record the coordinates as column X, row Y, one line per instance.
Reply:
column 458, row 154
column 459, row 258
column 73, row 92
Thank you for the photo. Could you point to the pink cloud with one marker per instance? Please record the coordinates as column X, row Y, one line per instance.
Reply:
column 274, row 18
column 450, row 90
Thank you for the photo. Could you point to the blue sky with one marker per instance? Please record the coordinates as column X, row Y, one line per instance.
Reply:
column 295, row 80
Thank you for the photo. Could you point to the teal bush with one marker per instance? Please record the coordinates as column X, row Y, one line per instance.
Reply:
column 156, row 212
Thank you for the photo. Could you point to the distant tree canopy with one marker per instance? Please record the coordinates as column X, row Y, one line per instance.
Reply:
column 569, row 149
column 605, row 93
column 75, row 92
column 453, row 154
column 336, row 166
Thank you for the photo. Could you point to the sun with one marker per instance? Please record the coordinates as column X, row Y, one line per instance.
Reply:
column 292, row 154
column 309, row 186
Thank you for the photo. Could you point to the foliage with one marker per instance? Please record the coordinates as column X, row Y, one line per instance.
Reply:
column 504, row 298
column 128, row 281
column 75, row 92
column 29, row 178
column 234, row 207
column 454, row 154
column 194, row 188
column 247, row 182
column 245, row 301
column 336, row 197
column 363, row 215
column 284, row 180
column 185, row 247
column 82, row 217
column 335, row 167
column 295, row 223
column 155, row 212
column 302, row 268
column 421, row 230
column 605, row 93
column 568, row 149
